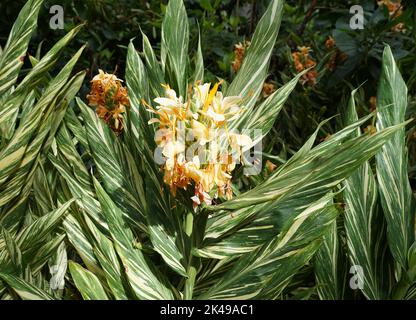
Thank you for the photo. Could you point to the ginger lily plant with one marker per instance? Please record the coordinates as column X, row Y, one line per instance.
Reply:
column 137, row 228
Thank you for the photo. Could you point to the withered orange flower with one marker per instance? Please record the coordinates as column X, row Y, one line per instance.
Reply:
column 110, row 100
column 239, row 52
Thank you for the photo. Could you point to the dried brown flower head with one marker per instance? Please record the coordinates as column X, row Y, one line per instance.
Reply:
column 239, row 52
column 110, row 99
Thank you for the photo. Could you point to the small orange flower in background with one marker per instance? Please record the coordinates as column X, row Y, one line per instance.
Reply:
column 268, row 89
column 332, row 62
column 330, row 43
column 373, row 103
column 239, row 52
column 303, row 61
column 395, row 9
column 337, row 56
column 110, row 99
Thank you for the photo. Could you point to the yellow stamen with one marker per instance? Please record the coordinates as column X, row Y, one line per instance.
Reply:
column 211, row 95
column 150, row 107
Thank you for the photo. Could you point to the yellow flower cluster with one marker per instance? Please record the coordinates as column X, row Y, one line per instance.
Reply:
column 110, row 99
column 201, row 162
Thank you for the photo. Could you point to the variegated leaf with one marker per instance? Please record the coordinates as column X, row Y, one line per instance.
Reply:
column 395, row 192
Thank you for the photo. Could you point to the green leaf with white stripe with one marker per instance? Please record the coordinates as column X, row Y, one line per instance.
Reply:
column 364, row 224
column 13, row 250
column 58, row 266
column 144, row 282
column 119, row 175
column 11, row 58
column 250, row 79
column 71, row 167
column 43, row 140
column 87, row 283
column 326, row 165
column 329, row 266
column 81, row 243
column 10, row 109
column 14, row 152
column 37, row 233
column 395, row 192
column 263, row 116
column 24, row 289
column 107, row 256
column 266, row 271
column 199, row 64
column 164, row 237
column 36, row 260
column 174, row 43
column 226, row 223
column 229, row 233
column 153, row 69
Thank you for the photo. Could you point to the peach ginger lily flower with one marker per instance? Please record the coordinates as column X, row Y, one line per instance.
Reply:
column 203, row 117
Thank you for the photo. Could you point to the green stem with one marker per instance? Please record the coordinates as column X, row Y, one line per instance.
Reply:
column 189, row 224
column 190, row 281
